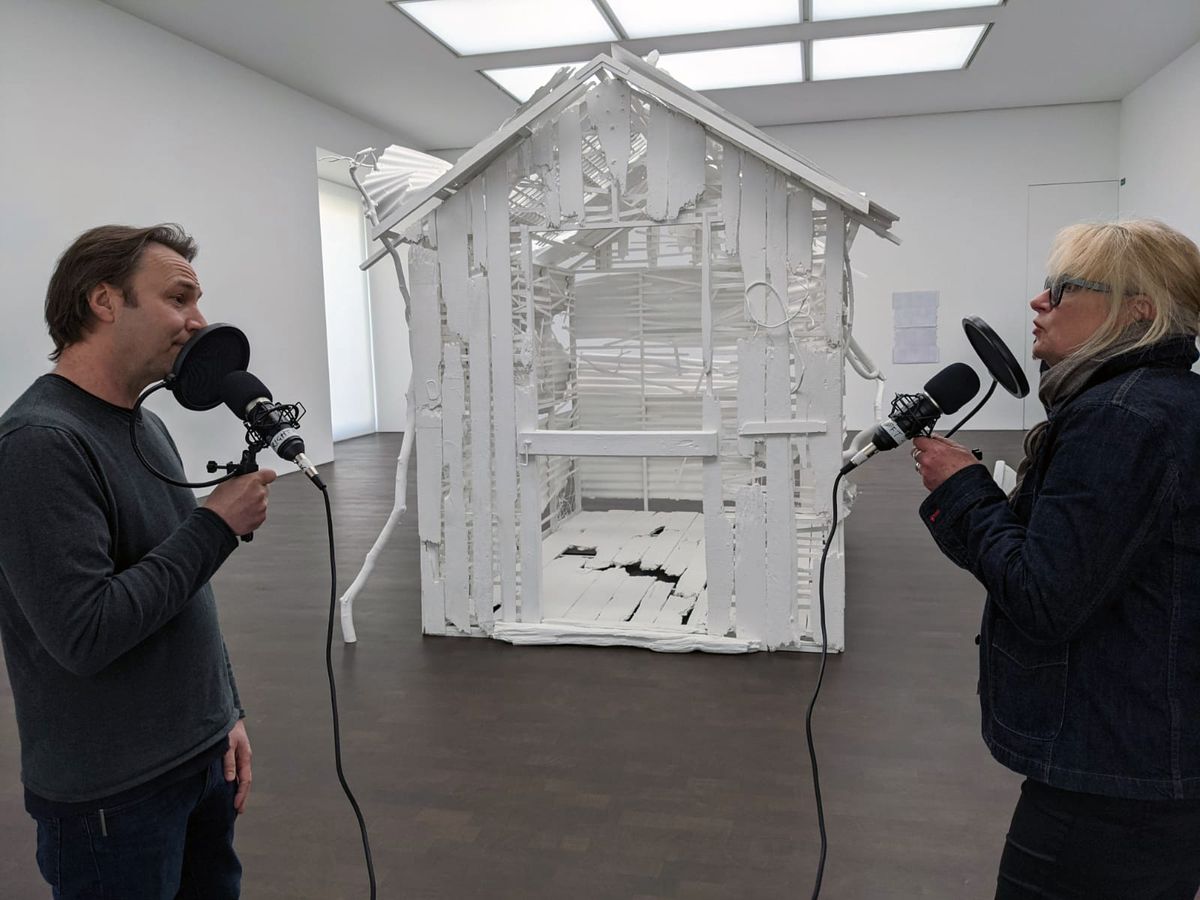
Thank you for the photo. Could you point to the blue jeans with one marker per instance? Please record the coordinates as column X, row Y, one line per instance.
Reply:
column 176, row 844
column 1064, row 845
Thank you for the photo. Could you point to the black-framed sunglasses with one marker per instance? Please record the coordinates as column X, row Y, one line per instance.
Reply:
column 1058, row 286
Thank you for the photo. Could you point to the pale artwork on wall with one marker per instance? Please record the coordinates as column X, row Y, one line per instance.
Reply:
column 630, row 314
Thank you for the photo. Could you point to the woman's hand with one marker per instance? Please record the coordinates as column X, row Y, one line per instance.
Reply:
column 937, row 458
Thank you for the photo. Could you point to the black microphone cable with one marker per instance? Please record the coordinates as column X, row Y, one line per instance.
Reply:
column 337, row 735
column 812, row 750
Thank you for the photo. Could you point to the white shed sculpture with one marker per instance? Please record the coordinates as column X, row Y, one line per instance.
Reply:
column 629, row 317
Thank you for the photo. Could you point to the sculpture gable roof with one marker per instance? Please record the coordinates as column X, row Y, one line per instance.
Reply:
column 567, row 88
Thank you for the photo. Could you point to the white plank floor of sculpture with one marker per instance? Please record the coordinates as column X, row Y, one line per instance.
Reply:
column 613, row 566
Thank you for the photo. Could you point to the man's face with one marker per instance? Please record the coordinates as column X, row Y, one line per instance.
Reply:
column 159, row 315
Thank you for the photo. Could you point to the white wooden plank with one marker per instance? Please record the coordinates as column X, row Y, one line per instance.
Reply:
column 752, row 237
column 718, row 534
column 481, row 453
column 652, row 603
column 689, row 550
column 686, row 175
column 777, row 274
column 781, row 535
column 458, row 564
column 478, row 224
column 609, row 536
column 426, row 326
column 531, row 513
column 451, row 223
column 658, row 162
column 674, row 527
column 621, row 443
column 429, row 475
column 433, row 595
column 570, row 164
column 608, row 108
column 751, row 387
column 636, row 541
column 835, row 294
column 563, row 581
column 597, row 596
column 750, row 603
column 698, row 620
column 627, row 598
column 783, row 426
column 800, row 228
column 504, row 395
column 731, row 195
column 706, row 310
column 674, row 609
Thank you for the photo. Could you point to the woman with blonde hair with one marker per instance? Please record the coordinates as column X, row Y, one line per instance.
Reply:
column 1089, row 675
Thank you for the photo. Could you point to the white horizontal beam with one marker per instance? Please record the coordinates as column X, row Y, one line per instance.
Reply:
column 785, row 426
column 619, row 443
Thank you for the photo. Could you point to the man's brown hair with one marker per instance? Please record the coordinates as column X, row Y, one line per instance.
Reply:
column 106, row 254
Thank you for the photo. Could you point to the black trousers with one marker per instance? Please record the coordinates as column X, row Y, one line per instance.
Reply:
column 1064, row 845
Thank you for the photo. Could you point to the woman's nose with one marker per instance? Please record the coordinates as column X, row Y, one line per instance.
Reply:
column 1041, row 302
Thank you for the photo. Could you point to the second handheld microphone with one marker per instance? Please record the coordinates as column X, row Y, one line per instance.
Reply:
column 912, row 414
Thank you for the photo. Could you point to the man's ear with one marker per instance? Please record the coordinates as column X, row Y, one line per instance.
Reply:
column 103, row 300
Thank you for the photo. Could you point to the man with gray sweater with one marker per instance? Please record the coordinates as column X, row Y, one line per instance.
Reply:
column 134, row 754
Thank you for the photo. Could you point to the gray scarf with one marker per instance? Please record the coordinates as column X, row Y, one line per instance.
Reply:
column 1063, row 382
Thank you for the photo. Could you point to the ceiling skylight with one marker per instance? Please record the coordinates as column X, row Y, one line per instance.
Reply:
column 651, row 18
column 932, row 50
column 854, row 9
column 495, row 26
column 705, row 70
column 522, row 81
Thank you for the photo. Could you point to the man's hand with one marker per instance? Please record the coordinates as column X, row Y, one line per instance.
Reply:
column 237, row 764
column 242, row 501
column 937, row 458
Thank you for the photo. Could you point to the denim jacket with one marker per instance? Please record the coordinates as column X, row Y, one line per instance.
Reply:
column 1089, row 652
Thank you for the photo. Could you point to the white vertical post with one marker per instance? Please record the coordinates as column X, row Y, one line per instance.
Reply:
column 504, row 399
column 481, row 450
column 749, row 565
column 780, row 516
column 458, row 568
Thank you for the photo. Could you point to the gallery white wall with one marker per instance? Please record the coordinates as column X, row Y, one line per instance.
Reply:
column 109, row 119
column 960, row 183
column 1160, row 146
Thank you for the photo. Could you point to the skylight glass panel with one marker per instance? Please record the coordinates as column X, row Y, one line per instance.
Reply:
column 522, row 81
column 496, row 26
column 856, row 9
column 932, row 50
column 651, row 18
column 704, row 70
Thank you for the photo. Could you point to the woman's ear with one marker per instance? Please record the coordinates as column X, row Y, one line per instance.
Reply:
column 1143, row 308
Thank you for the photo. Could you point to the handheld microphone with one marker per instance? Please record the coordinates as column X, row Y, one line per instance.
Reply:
column 912, row 414
column 275, row 423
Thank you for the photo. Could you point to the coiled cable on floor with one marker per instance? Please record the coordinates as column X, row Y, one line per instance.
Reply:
column 337, row 736
column 812, row 750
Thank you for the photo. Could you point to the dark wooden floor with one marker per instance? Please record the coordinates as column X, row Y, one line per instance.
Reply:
column 489, row 771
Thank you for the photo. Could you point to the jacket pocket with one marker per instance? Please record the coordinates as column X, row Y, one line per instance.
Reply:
column 1027, row 683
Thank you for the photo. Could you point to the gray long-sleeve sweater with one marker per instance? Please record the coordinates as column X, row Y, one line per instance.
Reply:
column 109, row 626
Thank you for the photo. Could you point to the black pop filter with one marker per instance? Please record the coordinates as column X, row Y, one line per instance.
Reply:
column 952, row 387
column 996, row 356
column 212, row 353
